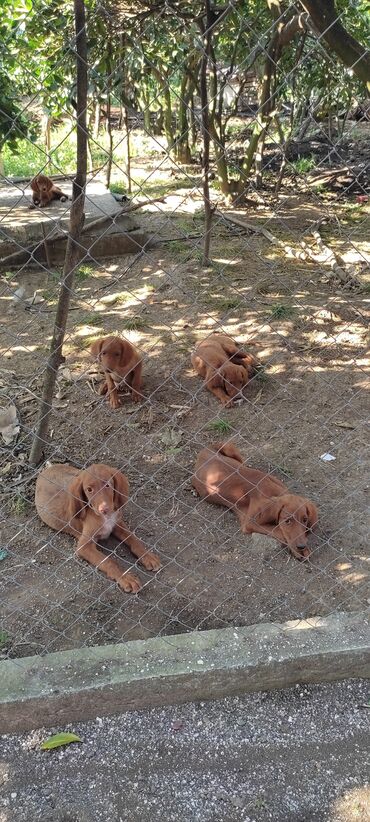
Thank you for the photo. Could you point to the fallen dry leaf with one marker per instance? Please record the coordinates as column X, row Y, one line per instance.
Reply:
column 343, row 424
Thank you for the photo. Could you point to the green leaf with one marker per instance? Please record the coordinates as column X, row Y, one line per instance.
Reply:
column 58, row 740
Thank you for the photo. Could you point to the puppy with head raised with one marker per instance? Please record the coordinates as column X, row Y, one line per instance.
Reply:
column 262, row 503
column 44, row 191
column 89, row 505
column 225, row 367
column 122, row 366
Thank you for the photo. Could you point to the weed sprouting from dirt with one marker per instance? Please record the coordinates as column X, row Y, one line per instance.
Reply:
column 19, row 505
column 83, row 273
column 134, row 324
column 4, row 639
column 92, row 319
column 220, row 427
column 281, row 311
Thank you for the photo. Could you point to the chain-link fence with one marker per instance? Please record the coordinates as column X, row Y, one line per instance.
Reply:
column 285, row 188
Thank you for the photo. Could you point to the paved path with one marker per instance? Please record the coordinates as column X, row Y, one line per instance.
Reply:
column 300, row 755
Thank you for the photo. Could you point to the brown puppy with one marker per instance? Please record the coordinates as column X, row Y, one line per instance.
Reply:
column 88, row 504
column 122, row 368
column 226, row 368
column 44, row 191
column 263, row 504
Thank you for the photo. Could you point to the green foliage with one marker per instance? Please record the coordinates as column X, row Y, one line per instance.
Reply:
column 134, row 324
column 280, row 311
column 4, row 639
column 220, row 427
column 59, row 740
column 303, row 164
column 19, row 505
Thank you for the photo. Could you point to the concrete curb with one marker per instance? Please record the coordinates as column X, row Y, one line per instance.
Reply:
column 81, row 684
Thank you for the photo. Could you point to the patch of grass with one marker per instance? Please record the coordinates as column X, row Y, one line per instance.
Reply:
column 226, row 304
column 304, row 164
column 134, row 324
column 281, row 311
column 318, row 189
column 180, row 249
column 91, row 319
column 49, row 296
column 4, row 639
column 118, row 188
column 19, row 505
column 83, row 273
column 365, row 288
column 220, row 427
column 260, row 374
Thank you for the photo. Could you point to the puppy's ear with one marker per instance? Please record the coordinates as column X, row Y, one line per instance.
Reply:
column 312, row 514
column 96, row 347
column 77, row 498
column 123, row 356
column 270, row 511
column 244, row 373
column 214, row 379
column 120, row 490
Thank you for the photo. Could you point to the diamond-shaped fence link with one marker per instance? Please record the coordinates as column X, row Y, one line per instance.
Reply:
column 287, row 278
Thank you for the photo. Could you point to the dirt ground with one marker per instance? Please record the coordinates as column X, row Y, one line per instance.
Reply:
column 309, row 335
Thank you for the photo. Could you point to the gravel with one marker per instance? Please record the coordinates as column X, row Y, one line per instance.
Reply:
column 299, row 755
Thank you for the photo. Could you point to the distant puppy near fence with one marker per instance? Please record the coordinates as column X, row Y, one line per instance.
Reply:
column 262, row 503
column 88, row 504
column 44, row 191
column 225, row 367
column 122, row 367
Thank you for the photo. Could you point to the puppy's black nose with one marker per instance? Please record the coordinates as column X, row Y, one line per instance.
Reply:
column 301, row 546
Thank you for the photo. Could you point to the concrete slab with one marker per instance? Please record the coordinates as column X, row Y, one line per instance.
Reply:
column 17, row 220
column 105, row 680
column 21, row 227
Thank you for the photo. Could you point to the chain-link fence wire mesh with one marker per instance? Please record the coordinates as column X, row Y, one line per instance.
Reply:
column 286, row 279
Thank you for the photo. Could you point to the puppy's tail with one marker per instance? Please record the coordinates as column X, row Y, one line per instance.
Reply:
column 228, row 449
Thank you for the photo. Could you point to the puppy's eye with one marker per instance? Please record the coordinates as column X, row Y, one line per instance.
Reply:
column 288, row 521
column 89, row 489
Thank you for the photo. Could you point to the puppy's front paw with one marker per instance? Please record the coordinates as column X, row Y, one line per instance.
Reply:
column 114, row 401
column 150, row 561
column 129, row 583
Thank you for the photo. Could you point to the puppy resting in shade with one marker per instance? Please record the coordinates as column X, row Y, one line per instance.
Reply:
column 122, row 366
column 226, row 368
column 89, row 505
column 262, row 503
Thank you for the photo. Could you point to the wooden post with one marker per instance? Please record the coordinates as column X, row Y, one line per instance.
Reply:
column 72, row 251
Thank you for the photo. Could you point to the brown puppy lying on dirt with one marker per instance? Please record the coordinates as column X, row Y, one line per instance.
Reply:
column 44, row 191
column 226, row 368
column 262, row 503
column 88, row 504
column 122, row 366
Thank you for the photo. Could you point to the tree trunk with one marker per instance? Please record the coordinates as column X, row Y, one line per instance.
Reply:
column 96, row 120
column 47, row 139
column 146, row 111
column 327, row 21
column 108, row 124
column 73, row 249
column 110, row 138
column 167, row 116
column 206, row 32
column 193, row 125
column 128, row 152
column 183, row 153
column 89, row 156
